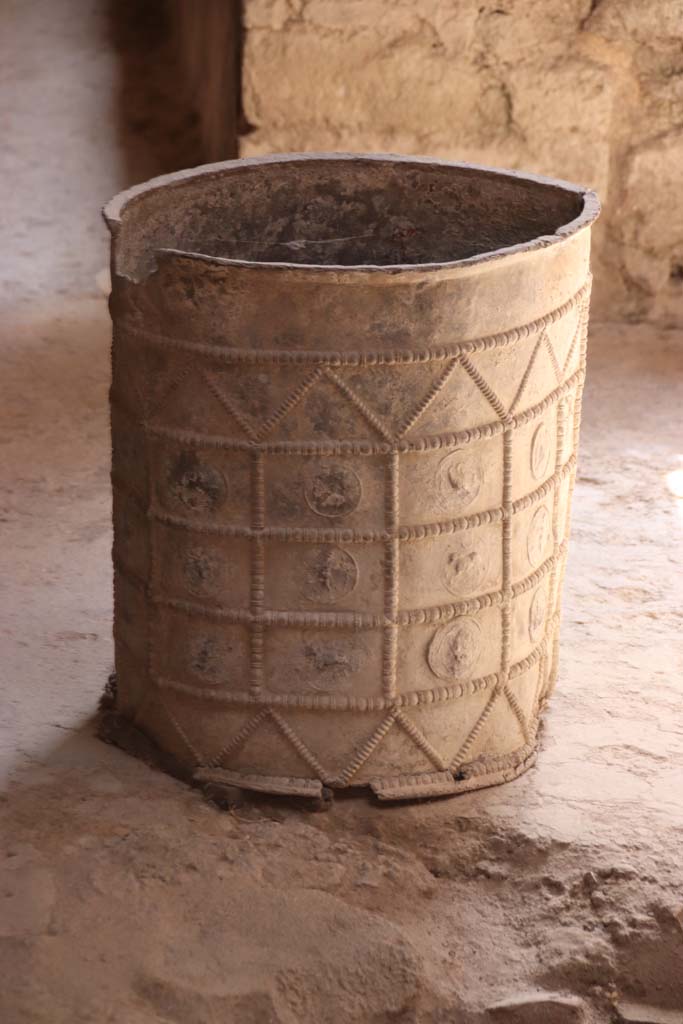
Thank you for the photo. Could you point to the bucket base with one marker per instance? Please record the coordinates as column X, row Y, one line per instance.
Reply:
column 481, row 773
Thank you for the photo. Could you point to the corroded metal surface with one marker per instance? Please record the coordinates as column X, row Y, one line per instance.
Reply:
column 341, row 492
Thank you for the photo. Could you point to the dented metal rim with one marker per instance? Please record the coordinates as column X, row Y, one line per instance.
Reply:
column 124, row 203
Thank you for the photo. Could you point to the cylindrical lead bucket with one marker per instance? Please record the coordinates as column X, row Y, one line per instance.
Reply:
column 345, row 409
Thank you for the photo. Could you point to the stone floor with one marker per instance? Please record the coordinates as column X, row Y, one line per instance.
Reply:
column 124, row 895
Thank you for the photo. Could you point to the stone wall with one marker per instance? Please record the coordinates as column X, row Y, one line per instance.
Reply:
column 590, row 90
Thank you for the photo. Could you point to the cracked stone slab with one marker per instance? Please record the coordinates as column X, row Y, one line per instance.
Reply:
column 538, row 1008
column 640, row 1013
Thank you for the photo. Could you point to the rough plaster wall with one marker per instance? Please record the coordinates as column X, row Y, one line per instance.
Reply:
column 590, row 90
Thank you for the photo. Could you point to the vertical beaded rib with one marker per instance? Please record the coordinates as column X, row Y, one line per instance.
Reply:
column 258, row 506
column 391, row 575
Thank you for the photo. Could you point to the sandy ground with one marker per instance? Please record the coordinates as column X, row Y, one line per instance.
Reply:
column 124, row 895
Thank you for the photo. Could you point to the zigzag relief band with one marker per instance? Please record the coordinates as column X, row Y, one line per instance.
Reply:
column 367, row 448
column 395, row 717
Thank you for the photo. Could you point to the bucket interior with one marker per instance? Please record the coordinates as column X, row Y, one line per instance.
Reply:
column 342, row 212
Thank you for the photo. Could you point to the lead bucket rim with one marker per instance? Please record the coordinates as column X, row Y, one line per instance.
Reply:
column 125, row 202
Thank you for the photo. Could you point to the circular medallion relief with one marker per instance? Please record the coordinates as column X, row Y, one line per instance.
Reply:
column 538, row 535
column 206, row 658
column 464, row 569
column 197, row 485
column 537, row 613
column 330, row 573
column 328, row 667
column 200, row 570
column 459, row 480
column 454, row 649
column 540, row 451
column 333, row 491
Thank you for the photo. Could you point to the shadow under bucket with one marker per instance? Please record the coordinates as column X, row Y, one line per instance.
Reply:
column 345, row 410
